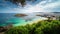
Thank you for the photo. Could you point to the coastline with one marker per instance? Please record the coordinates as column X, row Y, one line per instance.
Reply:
column 29, row 22
column 35, row 21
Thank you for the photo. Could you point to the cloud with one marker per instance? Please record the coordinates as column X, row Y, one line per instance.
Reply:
column 42, row 6
column 53, row 7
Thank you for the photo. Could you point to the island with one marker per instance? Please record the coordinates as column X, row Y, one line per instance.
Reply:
column 21, row 15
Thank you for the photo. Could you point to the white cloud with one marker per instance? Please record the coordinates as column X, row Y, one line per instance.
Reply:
column 44, row 6
column 30, row 8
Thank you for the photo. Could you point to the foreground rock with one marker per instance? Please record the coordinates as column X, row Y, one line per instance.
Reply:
column 5, row 28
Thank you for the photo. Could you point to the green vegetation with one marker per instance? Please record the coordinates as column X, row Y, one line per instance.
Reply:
column 59, row 18
column 41, row 27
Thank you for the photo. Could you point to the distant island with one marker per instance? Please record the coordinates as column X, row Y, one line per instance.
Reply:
column 20, row 15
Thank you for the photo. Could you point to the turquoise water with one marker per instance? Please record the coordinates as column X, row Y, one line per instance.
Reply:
column 20, row 21
column 9, row 18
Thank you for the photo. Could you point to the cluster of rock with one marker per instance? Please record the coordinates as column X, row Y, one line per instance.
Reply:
column 5, row 28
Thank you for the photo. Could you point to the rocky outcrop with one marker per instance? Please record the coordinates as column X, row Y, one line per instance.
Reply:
column 20, row 15
column 5, row 28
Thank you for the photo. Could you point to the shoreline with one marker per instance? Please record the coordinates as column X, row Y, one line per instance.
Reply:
column 30, row 22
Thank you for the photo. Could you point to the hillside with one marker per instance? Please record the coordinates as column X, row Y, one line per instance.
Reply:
column 41, row 27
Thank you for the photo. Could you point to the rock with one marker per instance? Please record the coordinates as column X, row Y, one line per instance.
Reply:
column 5, row 28
column 20, row 15
column 2, row 29
column 2, row 32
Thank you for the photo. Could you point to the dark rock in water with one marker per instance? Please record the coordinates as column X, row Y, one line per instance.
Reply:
column 28, row 20
column 38, row 15
column 21, row 15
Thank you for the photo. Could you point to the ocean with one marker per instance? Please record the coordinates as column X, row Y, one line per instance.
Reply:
column 9, row 18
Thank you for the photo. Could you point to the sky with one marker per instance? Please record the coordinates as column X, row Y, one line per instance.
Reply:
column 30, row 7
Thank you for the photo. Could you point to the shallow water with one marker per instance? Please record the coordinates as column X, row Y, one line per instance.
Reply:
column 9, row 18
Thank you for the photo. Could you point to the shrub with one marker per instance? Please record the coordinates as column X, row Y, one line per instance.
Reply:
column 52, row 27
column 41, row 27
column 17, row 30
